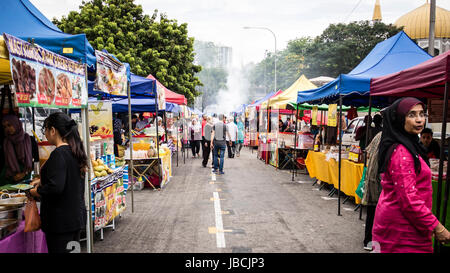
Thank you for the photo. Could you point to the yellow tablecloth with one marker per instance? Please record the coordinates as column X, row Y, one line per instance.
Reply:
column 328, row 172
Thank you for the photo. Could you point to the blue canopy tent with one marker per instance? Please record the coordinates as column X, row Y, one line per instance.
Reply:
column 195, row 111
column 392, row 55
column 240, row 110
column 266, row 97
column 141, row 105
column 23, row 20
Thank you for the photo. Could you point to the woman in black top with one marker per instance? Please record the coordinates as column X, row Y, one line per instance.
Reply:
column 61, row 187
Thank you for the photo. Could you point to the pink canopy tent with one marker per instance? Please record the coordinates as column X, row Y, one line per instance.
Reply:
column 170, row 95
column 425, row 80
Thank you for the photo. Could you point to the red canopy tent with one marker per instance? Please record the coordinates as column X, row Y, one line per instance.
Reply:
column 170, row 95
column 425, row 80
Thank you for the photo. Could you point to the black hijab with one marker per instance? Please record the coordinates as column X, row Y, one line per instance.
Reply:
column 394, row 133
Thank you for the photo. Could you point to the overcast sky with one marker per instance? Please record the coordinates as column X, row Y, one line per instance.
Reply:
column 222, row 21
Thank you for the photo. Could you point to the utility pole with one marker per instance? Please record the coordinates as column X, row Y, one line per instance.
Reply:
column 432, row 27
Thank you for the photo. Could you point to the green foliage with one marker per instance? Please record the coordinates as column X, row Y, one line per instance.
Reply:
column 341, row 47
column 161, row 48
column 336, row 51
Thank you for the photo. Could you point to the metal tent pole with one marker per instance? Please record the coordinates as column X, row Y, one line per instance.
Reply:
column 441, row 161
column 295, row 143
column 441, row 165
column 177, row 128
column 340, row 154
column 87, row 178
column 157, row 139
column 130, row 137
column 367, row 143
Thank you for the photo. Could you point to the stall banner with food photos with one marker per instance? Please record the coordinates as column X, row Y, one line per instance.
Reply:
column 43, row 78
column 111, row 75
column 161, row 93
column 100, row 118
column 108, row 198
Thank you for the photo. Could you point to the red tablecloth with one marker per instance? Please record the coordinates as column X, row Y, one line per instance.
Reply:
column 24, row 242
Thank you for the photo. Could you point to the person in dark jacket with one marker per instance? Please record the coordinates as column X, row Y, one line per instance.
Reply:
column 433, row 149
column 61, row 186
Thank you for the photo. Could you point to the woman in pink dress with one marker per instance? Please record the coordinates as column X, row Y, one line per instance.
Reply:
column 403, row 218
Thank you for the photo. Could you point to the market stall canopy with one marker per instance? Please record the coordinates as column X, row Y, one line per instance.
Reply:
column 139, row 105
column 392, row 55
column 240, row 110
column 425, row 80
column 266, row 97
column 23, row 20
column 195, row 111
column 281, row 100
column 170, row 95
column 140, row 87
column 321, row 80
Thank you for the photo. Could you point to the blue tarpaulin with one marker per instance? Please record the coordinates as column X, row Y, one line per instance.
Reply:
column 266, row 97
column 139, row 105
column 195, row 111
column 240, row 110
column 23, row 20
column 392, row 55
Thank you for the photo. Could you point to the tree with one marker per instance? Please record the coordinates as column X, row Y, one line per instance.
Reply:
column 290, row 63
column 162, row 48
column 341, row 47
column 213, row 79
column 336, row 51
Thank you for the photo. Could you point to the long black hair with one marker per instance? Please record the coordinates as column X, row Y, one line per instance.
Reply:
column 68, row 130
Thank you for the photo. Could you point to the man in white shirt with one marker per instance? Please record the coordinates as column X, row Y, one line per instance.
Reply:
column 231, row 140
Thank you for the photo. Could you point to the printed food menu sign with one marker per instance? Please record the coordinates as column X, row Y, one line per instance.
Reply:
column 111, row 75
column 43, row 78
column 161, row 97
column 100, row 118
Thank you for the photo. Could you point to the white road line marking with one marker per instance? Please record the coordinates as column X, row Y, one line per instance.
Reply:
column 213, row 176
column 220, row 236
column 329, row 198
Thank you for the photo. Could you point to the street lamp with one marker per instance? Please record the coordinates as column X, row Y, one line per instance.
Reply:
column 275, row 50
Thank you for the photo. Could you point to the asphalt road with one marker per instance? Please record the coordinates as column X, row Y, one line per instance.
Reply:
column 261, row 211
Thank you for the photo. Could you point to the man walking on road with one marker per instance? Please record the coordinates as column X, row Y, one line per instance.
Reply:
column 218, row 143
column 232, row 128
column 207, row 130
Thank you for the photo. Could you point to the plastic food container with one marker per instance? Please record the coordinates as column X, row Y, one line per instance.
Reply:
column 45, row 149
column 142, row 143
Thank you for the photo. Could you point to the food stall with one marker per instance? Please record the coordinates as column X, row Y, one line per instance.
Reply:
column 51, row 82
column 392, row 55
column 149, row 166
column 430, row 80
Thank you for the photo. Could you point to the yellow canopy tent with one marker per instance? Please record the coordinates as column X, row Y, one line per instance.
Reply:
column 290, row 94
column 5, row 71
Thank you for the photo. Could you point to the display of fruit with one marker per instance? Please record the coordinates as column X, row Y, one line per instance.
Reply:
column 100, row 169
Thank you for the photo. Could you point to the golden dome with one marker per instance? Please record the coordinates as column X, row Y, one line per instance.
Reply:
column 417, row 22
